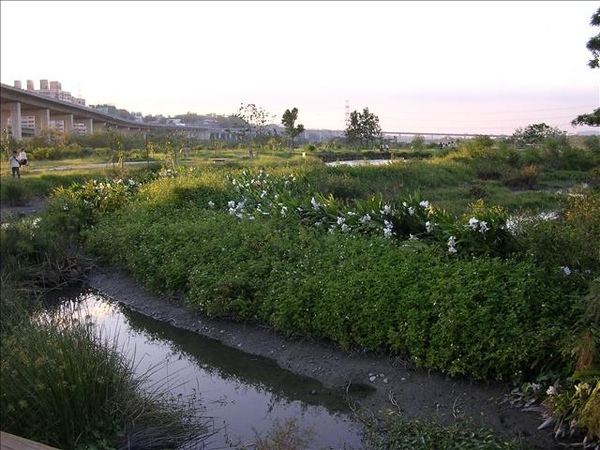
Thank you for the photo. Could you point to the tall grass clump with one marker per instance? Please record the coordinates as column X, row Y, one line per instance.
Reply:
column 67, row 385
column 13, row 192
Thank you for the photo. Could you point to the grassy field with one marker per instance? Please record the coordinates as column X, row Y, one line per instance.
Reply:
column 483, row 259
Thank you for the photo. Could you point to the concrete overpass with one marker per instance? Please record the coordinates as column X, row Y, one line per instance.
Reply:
column 435, row 136
column 16, row 103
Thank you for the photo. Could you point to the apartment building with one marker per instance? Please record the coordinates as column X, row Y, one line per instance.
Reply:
column 52, row 89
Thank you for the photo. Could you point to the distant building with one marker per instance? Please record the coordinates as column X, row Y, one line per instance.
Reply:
column 52, row 89
column 137, row 116
column 176, row 122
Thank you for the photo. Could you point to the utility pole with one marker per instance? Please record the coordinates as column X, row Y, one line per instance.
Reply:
column 347, row 114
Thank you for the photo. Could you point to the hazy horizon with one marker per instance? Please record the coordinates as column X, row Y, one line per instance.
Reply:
column 451, row 67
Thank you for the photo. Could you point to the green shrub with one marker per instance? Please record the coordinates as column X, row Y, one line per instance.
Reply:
column 14, row 192
column 526, row 177
column 389, row 430
column 465, row 313
column 36, row 252
column 569, row 238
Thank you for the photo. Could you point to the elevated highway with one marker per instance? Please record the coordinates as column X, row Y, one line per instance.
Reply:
column 16, row 103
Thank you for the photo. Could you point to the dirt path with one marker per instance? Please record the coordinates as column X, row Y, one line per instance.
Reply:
column 390, row 381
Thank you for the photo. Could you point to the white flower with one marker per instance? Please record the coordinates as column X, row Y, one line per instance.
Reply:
column 411, row 210
column 551, row 390
column 452, row 244
column 263, row 194
column 340, row 220
column 314, row 203
column 283, row 210
column 424, row 204
column 211, row 204
column 387, row 230
column 429, row 226
column 483, row 227
column 582, row 390
column 473, row 223
column 566, row 270
column 364, row 219
column 386, row 209
column 231, row 204
column 412, row 237
column 345, row 228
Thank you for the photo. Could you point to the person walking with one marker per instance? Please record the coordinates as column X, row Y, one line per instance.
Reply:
column 15, row 164
column 23, row 157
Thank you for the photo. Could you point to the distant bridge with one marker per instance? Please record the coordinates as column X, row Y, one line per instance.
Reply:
column 399, row 134
column 16, row 103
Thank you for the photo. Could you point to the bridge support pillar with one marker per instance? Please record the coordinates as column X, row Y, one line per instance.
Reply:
column 42, row 120
column 98, row 127
column 14, row 116
column 89, row 126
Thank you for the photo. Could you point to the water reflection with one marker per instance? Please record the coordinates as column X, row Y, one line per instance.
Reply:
column 362, row 162
column 245, row 394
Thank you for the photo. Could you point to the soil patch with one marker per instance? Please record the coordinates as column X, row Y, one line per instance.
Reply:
column 27, row 208
column 376, row 382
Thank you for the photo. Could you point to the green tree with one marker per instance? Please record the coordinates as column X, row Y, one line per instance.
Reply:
column 353, row 131
column 291, row 129
column 253, row 123
column 593, row 45
column 363, row 128
column 418, row 143
column 536, row 134
column 592, row 120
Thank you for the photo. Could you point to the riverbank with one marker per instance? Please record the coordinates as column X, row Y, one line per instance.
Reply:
column 374, row 381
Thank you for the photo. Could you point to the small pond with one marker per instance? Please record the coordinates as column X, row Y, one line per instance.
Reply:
column 245, row 395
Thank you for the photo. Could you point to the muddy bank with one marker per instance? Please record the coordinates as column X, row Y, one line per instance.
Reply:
column 375, row 381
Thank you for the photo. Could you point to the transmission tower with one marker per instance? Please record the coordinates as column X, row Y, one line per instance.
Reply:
column 347, row 113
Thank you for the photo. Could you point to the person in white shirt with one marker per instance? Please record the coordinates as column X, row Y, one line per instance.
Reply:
column 23, row 157
column 14, row 165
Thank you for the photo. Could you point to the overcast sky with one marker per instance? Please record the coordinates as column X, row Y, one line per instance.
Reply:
column 481, row 67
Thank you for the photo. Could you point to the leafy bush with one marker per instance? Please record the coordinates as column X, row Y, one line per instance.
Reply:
column 567, row 239
column 14, row 192
column 35, row 252
column 526, row 177
column 252, row 273
column 393, row 431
